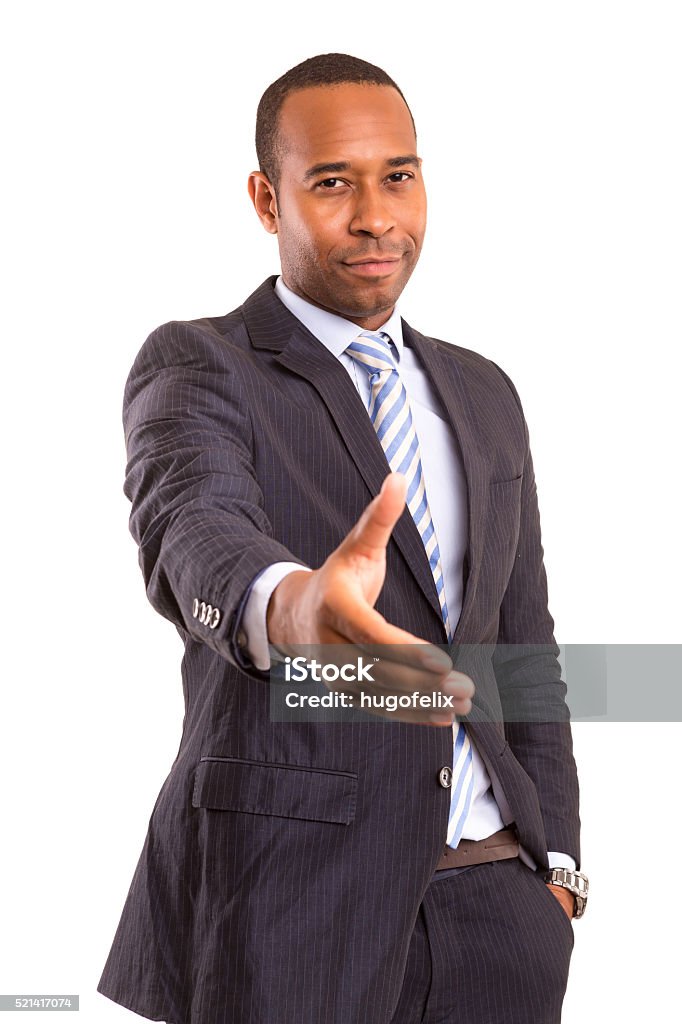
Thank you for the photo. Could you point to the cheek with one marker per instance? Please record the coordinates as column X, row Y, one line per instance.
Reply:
column 415, row 221
column 312, row 243
column 295, row 240
column 419, row 223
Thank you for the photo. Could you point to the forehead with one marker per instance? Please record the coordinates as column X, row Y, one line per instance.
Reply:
column 344, row 122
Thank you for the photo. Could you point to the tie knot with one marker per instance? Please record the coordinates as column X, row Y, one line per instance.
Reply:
column 372, row 349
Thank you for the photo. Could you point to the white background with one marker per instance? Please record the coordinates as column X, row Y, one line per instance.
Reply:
column 551, row 146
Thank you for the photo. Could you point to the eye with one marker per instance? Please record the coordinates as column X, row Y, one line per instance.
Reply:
column 330, row 183
column 399, row 176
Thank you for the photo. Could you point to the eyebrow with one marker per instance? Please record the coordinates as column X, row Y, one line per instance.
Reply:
column 344, row 165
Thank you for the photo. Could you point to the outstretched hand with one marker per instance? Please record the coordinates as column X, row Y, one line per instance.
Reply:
column 335, row 605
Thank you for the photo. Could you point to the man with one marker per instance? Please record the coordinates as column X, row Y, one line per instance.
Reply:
column 309, row 470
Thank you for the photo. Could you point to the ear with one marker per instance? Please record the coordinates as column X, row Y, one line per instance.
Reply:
column 264, row 200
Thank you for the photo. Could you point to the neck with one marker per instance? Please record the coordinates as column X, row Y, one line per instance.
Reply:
column 367, row 323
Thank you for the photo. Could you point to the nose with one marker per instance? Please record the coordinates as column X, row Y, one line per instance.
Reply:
column 372, row 214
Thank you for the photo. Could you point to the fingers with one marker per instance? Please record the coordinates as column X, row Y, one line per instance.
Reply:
column 382, row 684
column 363, row 626
column 455, row 691
column 407, row 694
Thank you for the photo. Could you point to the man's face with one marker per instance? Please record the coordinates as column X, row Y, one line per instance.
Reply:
column 350, row 213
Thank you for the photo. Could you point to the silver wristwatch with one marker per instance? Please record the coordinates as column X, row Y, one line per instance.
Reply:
column 574, row 881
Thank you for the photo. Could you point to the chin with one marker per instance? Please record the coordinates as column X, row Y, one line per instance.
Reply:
column 369, row 299
column 377, row 302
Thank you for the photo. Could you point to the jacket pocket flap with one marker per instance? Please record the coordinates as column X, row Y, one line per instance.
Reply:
column 259, row 787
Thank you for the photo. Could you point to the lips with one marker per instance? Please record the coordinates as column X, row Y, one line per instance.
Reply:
column 379, row 258
column 374, row 267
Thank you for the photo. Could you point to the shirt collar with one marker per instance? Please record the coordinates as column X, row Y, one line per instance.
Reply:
column 335, row 332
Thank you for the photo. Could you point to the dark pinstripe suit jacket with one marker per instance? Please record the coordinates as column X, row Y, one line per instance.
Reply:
column 285, row 863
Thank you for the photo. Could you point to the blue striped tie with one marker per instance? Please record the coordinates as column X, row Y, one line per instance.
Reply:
column 389, row 411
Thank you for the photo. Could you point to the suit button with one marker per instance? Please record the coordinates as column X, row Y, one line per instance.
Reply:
column 445, row 776
column 241, row 638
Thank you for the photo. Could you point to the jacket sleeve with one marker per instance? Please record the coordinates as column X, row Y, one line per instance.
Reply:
column 197, row 506
column 537, row 718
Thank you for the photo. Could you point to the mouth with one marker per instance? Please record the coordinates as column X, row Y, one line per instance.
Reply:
column 373, row 267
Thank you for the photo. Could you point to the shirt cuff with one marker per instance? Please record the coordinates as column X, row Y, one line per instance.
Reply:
column 560, row 860
column 254, row 622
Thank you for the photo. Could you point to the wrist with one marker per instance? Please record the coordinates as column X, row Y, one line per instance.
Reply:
column 573, row 882
column 280, row 617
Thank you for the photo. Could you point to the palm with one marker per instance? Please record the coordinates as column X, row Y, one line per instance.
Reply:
column 365, row 577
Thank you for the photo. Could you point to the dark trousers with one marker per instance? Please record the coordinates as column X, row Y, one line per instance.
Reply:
column 491, row 945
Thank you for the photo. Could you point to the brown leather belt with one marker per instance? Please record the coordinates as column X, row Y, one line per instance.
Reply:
column 499, row 846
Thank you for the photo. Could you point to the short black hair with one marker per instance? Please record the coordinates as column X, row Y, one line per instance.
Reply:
column 325, row 69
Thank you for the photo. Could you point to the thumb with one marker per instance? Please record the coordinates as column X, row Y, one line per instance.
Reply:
column 371, row 533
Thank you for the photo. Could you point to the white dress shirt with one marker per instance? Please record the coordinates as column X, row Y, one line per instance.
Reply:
column 446, row 490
